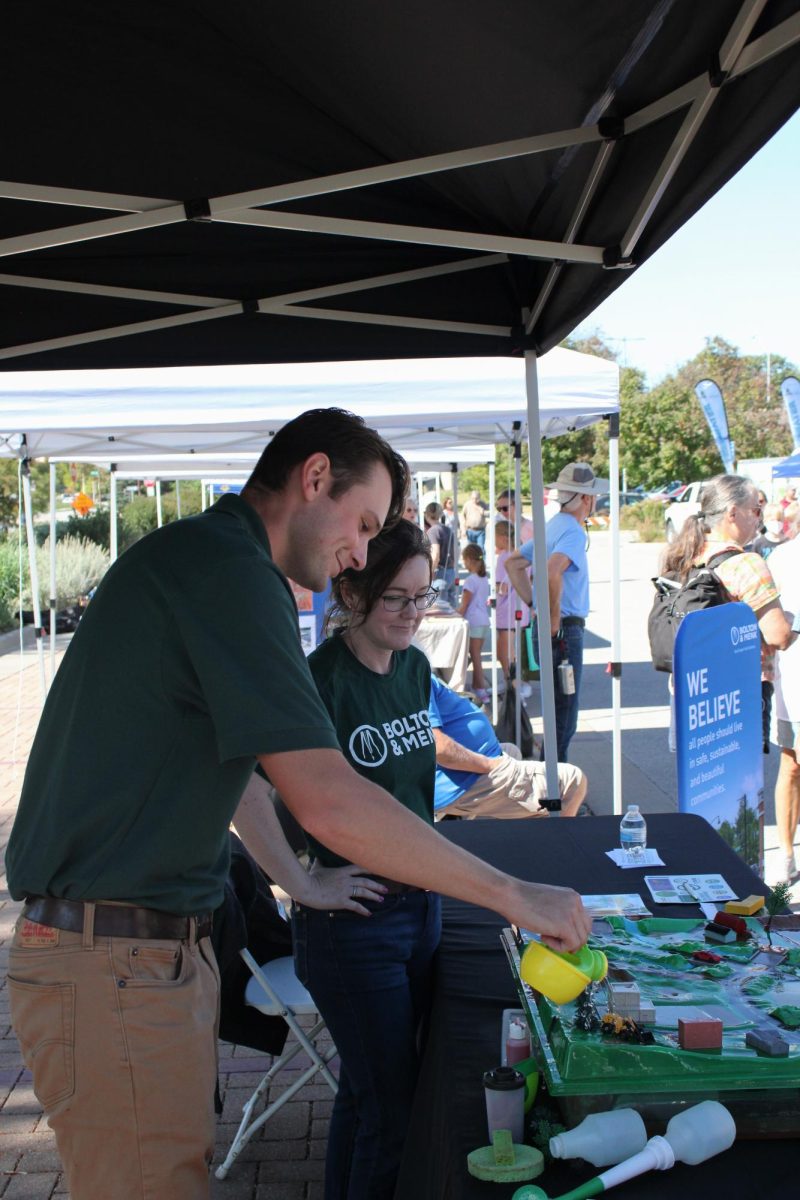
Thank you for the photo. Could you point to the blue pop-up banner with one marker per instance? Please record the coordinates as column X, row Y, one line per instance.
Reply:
column 713, row 405
column 790, row 390
column 717, row 680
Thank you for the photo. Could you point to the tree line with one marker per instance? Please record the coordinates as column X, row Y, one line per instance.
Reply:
column 663, row 432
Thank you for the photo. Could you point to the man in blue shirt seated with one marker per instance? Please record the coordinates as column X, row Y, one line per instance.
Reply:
column 476, row 776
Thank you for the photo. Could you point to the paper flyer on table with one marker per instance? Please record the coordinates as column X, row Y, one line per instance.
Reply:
column 645, row 858
column 626, row 904
column 688, row 889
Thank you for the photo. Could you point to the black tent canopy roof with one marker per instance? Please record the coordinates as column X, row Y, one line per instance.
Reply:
column 191, row 183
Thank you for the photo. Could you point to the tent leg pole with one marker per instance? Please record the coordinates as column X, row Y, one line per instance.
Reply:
column 456, row 526
column 512, row 598
column 178, row 499
column 540, row 577
column 34, row 573
column 113, row 534
column 616, row 625
column 489, row 539
column 52, row 572
column 159, row 510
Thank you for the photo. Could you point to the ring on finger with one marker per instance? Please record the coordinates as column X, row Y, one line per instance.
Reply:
column 354, row 893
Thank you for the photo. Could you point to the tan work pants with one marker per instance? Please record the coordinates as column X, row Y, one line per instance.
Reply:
column 120, row 1035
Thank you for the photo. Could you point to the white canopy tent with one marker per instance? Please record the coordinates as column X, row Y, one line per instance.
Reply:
column 448, row 409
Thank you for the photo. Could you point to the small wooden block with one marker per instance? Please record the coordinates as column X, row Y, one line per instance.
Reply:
column 702, row 1033
column 766, row 1041
column 747, row 907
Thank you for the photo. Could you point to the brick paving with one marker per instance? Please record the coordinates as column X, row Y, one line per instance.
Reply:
column 284, row 1160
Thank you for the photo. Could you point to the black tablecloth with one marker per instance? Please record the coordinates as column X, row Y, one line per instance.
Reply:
column 474, row 984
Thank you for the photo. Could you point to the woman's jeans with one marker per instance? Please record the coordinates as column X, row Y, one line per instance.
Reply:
column 371, row 980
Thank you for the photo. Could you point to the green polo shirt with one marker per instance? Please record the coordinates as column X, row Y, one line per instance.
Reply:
column 185, row 666
column 383, row 724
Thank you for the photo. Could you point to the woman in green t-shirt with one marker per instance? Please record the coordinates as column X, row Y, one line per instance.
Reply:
column 370, row 976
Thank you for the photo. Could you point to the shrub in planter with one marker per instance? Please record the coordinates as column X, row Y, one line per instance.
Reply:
column 80, row 565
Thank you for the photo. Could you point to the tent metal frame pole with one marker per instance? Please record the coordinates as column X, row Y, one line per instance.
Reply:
column 159, row 510
column 113, row 527
column 489, row 553
column 459, row 239
column 52, row 572
column 113, row 293
column 616, row 616
column 265, row 303
column 366, row 318
column 698, row 111
column 116, row 331
column 602, row 159
column 34, row 573
column 456, row 526
column 540, row 577
column 512, row 597
column 178, row 513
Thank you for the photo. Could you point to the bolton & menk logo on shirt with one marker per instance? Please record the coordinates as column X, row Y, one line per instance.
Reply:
column 369, row 746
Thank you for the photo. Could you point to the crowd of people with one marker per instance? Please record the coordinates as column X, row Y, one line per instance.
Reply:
column 221, row 711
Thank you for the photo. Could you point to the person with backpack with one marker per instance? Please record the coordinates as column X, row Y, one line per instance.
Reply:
column 729, row 516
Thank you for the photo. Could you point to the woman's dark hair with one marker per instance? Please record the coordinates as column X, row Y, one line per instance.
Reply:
column 473, row 553
column 386, row 554
column 352, row 447
column 717, row 496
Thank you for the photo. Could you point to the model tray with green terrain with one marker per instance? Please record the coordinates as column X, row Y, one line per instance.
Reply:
column 752, row 981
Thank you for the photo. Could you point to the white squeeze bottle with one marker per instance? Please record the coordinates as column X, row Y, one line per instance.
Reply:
column 602, row 1138
column 633, row 831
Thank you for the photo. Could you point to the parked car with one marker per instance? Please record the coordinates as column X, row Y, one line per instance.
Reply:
column 667, row 492
column 678, row 513
column 604, row 502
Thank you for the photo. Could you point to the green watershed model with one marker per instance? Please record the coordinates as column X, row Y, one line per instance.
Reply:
column 625, row 1041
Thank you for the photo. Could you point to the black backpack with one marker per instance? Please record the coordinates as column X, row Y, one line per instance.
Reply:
column 673, row 600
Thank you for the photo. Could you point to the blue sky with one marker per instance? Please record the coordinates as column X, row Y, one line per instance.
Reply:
column 733, row 270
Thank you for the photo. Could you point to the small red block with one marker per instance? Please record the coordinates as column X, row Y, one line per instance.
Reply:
column 702, row 1033
column 737, row 924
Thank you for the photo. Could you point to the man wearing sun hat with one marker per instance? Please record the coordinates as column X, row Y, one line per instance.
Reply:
column 568, row 587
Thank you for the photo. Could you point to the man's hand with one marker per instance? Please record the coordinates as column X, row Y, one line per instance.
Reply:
column 556, row 913
column 341, row 887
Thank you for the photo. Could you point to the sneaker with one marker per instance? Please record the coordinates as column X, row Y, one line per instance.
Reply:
column 789, row 872
column 482, row 694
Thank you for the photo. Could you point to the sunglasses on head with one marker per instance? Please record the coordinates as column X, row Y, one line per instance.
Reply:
column 502, row 508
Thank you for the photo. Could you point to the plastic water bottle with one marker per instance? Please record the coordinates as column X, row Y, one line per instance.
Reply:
column 633, row 831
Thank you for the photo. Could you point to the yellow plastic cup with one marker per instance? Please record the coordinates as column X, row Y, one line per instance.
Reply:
column 560, row 976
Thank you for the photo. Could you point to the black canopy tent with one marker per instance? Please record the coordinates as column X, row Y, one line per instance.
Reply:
column 361, row 180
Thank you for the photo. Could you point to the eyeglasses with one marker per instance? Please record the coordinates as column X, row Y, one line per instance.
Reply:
column 398, row 603
column 502, row 508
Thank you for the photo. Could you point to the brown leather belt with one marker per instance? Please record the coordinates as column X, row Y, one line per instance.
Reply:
column 116, row 920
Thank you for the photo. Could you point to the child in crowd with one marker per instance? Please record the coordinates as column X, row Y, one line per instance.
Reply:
column 508, row 602
column 475, row 607
column 772, row 531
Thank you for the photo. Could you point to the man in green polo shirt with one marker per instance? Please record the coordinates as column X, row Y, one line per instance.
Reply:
column 185, row 671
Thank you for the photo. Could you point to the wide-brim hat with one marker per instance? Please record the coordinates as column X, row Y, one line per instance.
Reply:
column 579, row 477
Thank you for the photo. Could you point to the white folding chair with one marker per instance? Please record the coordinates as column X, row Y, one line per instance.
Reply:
column 276, row 991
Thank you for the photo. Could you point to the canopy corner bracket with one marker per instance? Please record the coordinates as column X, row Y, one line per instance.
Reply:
column 197, row 210
column 613, row 259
